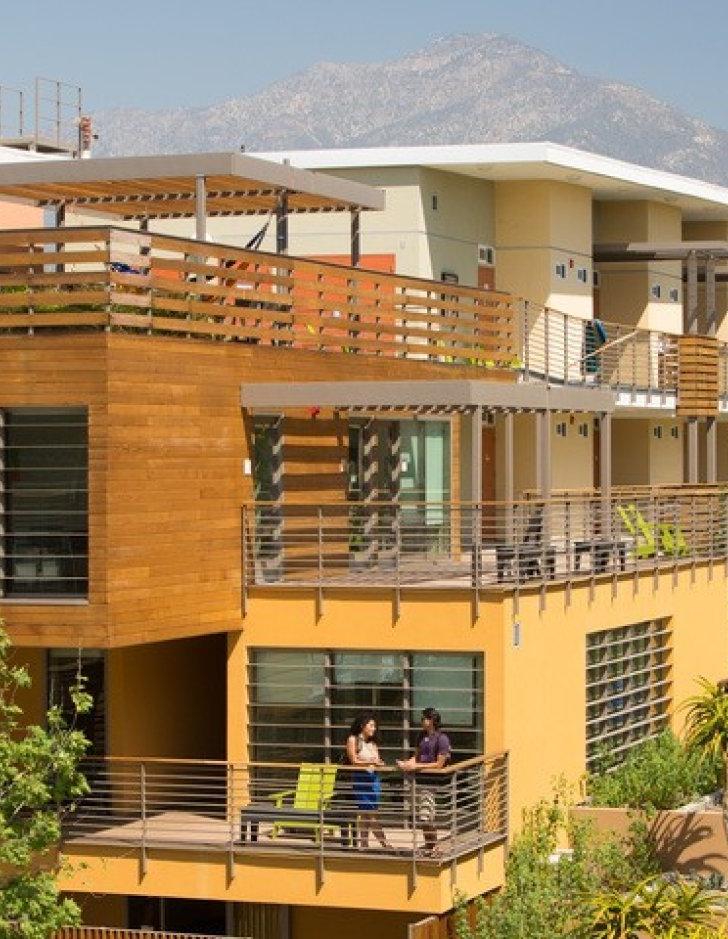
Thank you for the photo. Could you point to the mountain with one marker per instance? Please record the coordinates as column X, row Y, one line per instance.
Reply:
column 460, row 89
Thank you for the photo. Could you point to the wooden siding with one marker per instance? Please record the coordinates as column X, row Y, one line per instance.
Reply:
column 167, row 443
column 697, row 376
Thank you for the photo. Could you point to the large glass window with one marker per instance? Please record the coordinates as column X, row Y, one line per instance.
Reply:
column 303, row 702
column 627, row 688
column 44, row 502
column 64, row 666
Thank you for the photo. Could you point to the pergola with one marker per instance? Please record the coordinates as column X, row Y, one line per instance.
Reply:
column 691, row 254
column 199, row 186
column 471, row 398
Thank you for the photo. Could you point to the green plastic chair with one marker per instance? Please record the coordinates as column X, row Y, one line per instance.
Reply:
column 672, row 541
column 314, row 790
column 645, row 543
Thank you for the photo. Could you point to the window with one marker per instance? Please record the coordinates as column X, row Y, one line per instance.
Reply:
column 657, row 432
column 595, row 279
column 656, row 291
column 627, row 688
column 675, row 432
column 674, row 295
column 302, row 702
column 583, row 430
column 486, row 255
column 561, row 429
column 44, row 502
column 582, row 275
column 266, row 460
column 64, row 666
column 560, row 271
column 434, row 203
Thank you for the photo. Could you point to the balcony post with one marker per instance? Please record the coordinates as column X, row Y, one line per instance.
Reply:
column 543, row 453
column 476, row 490
column 355, row 237
column 200, row 208
column 711, row 450
column 692, row 460
column 282, row 222
column 691, row 299
column 508, row 489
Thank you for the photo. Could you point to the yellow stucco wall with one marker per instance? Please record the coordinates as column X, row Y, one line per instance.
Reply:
column 539, row 224
column 625, row 287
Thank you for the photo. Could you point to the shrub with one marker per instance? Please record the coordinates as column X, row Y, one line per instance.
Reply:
column 659, row 774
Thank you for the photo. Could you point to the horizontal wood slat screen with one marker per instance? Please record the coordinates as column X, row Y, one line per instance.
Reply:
column 155, row 283
column 698, row 376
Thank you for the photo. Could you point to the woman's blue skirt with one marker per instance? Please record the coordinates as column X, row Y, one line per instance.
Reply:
column 367, row 790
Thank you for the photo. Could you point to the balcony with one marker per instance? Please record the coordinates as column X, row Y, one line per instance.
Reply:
column 498, row 546
column 259, row 816
column 112, row 278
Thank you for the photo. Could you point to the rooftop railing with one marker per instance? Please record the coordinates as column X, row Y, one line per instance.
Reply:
column 112, row 932
column 482, row 546
column 106, row 277
column 295, row 810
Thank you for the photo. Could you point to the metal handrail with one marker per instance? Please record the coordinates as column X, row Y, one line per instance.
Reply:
column 494, row 545
column 315, row 810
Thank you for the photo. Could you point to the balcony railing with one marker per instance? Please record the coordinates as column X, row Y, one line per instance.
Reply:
column 154, row 283
column 111, row 932
column 482, row 546
column 105, row 277
column 294, row 810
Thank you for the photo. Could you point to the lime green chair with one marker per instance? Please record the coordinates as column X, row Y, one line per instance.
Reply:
column 314, row 791
column 645, row 543
column 672, row 541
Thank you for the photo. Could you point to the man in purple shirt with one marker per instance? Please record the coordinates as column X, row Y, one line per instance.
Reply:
column 433, row 752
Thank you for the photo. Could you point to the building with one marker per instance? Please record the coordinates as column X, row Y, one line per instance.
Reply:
column 250, row 493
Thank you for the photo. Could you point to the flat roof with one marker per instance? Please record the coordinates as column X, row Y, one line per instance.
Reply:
column 608, row 178
column 438, row 393
column 164, row 186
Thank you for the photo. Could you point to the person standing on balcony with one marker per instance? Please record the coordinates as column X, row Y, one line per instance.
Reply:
column 362, row 750
column 433, row 752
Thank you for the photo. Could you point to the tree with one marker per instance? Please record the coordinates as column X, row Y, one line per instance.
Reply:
column 39, row 780
column 706, row 729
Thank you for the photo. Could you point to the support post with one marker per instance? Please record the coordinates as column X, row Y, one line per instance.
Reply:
column 355, row 237
column 711, row 450
column 508, row 488
column 282, row 222
column 200, row 208
column 543, row 453
column 711, row 322
column 605, row 472
column 691, row 299
column 476, row 454
column 692, row 429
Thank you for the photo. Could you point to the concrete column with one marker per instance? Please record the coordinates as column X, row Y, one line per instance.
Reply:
column 691, row 298
column 355, row 237
column 605, row 453
column 711, row 319
column 200, row 208
column 282, row 223
column 476, row 453
column 543, row 453
column 711, row 450
column 692, row 461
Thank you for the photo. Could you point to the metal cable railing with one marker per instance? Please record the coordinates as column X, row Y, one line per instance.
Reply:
column 495, row 545
column 324, row 810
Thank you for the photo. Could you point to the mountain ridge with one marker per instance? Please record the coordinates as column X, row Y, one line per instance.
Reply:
column 467, row 88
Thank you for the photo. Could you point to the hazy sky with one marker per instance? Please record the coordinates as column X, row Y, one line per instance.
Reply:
column 161, row 53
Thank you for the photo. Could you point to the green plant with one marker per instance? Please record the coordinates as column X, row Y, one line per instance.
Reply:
column 39, row 779
column 663, row 773
column 655, row 907
column 544, row 897
column 706, row 725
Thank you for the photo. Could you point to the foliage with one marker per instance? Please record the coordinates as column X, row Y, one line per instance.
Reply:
column 654, row 907
column 706, row 723
column 543, row 899
column 39, row 779
column 662, row 773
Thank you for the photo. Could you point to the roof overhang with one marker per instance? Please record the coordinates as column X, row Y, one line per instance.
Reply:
column 608, row 178
column 660, row 251
column 437, row 395
column 164, row 186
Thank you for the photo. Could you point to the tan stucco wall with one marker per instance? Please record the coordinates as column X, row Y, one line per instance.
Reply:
column 540, row 224
column 625, row 288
